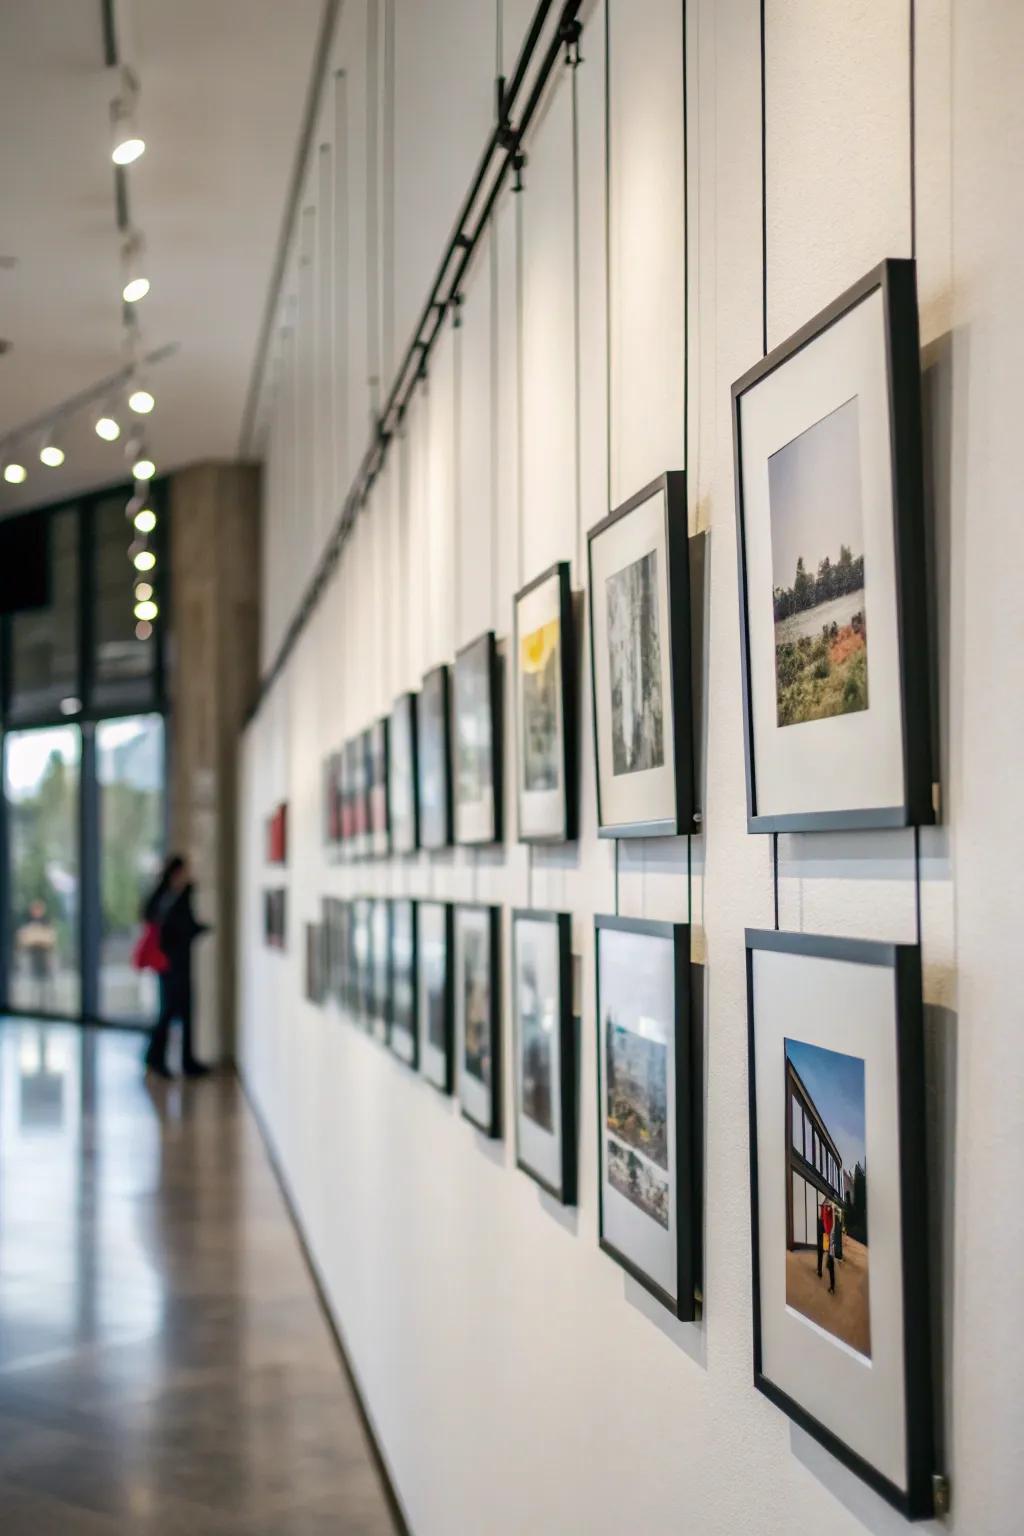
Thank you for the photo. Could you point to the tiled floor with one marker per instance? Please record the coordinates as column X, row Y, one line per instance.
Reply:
column 164, row 1365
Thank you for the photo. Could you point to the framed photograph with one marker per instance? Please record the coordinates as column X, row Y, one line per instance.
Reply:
column 640, row 652
column 314, row 963
column 378, row 819
column 478, row 1014
column 277, row 835
column 332, row 803
column 360, row 1000
column 545, row 705
column 352, row 813
column 648, row 1096
column 433, row 761
column 544, row 1035
column 405, row 832
column 379, row 996
column 477, row 742
column 435, row 949
column 839, row 1222
column 832, row 568
column 274, row 918
column 404, row 1031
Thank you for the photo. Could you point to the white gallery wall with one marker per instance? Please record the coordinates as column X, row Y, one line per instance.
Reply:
column 517, row 1380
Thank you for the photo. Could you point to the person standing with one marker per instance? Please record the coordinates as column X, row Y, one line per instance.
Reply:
column 169, row 908
column 821, row 1237
column 828, row 1223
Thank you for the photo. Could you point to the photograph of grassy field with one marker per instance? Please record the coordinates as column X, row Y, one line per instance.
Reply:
column 821, row 636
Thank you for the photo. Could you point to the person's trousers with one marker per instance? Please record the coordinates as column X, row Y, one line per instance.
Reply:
column 175, row 1003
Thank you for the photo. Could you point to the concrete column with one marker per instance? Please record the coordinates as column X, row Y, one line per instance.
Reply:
column 213, row 675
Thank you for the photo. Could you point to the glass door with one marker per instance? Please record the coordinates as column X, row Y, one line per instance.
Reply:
column 130, row 789
column 42, row 787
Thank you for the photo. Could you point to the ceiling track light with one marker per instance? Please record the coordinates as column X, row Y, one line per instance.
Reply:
column 126, row 143
column 50, row 451
column 143, row 469
column 135, row 283
column 15, row 472
column 106, row 424
column 140, row 400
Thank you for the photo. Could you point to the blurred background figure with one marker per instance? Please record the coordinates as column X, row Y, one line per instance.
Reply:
column 170, row 909
column 37, row 947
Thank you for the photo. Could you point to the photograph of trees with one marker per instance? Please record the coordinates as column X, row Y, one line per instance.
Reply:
column 821, row 665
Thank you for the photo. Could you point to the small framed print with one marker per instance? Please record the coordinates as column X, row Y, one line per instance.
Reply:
column 405, row 834
column 378, row 820
column 641, row 666
column 274, row 918
column 648, row 1090
column 435, row 949
column 315, row 937
column 361, row 967
column 834, row 627
column 478, row 1014
column 477, row 744
column 353, row 809
column 433, row 763
column 332, row 804
column 838, row 1202
column 379, row 997
column 404, row 1022
column 544, row 1036
column 545, row 705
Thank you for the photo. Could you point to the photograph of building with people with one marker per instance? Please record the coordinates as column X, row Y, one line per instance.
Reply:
column 826, row 1192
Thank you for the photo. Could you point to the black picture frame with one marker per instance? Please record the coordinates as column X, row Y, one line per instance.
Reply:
column 896, row 280
column 399, row 906
column 361, row 997
column 672, row 483
column 378, row 993
column 435, row 824
column 314, row 978
column 490, row 1123
column 917, row 1501
column 378, row 808
column 565, row 1190
column 484, row 648
column 444, row 1081
column 403, row 842
column 688, row 1087
column 569, row 829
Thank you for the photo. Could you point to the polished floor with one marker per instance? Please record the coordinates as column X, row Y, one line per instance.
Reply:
column 164, row 1364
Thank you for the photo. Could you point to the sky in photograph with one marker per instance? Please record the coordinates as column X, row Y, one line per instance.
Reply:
column 814, row 491
column 836, row 1084
column 637, row 981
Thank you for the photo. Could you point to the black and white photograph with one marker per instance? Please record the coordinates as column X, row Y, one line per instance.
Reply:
column 433, row 761
column 545, row 703
column 641, row 663
column 380, row 969
column 648, row 1096
column 839, row 1253
column 402, row 775
column 544, row 1044
column 361, row 991
column 435, row 953
column 833, row 589
column 477, row 1014
column 404, row 1024
column 477, row 743
column 378, row 821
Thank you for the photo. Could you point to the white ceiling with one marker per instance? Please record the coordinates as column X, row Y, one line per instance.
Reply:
column 223, row 92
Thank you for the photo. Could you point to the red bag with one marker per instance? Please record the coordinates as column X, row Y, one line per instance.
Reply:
column 147, row 954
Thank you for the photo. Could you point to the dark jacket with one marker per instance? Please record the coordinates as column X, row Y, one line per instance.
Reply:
column 172, row 912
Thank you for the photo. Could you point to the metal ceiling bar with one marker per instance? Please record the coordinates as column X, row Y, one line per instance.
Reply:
column 75, row 403
column 502, row 150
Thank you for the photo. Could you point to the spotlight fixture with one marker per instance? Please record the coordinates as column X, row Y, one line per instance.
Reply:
column 145, row 560
column 136, row 283
column 51, row 453
column 145, row 520
column 107, row 428
column 143, row 591
column 141, row 401
column 143, row 629
column 143, row 469
column 15, row 473
column 126, row 143
column 147, row 610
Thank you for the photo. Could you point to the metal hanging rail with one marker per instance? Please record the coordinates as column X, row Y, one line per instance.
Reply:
column 502, row 154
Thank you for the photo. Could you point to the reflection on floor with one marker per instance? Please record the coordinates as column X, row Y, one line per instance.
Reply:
column 164, row 1366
